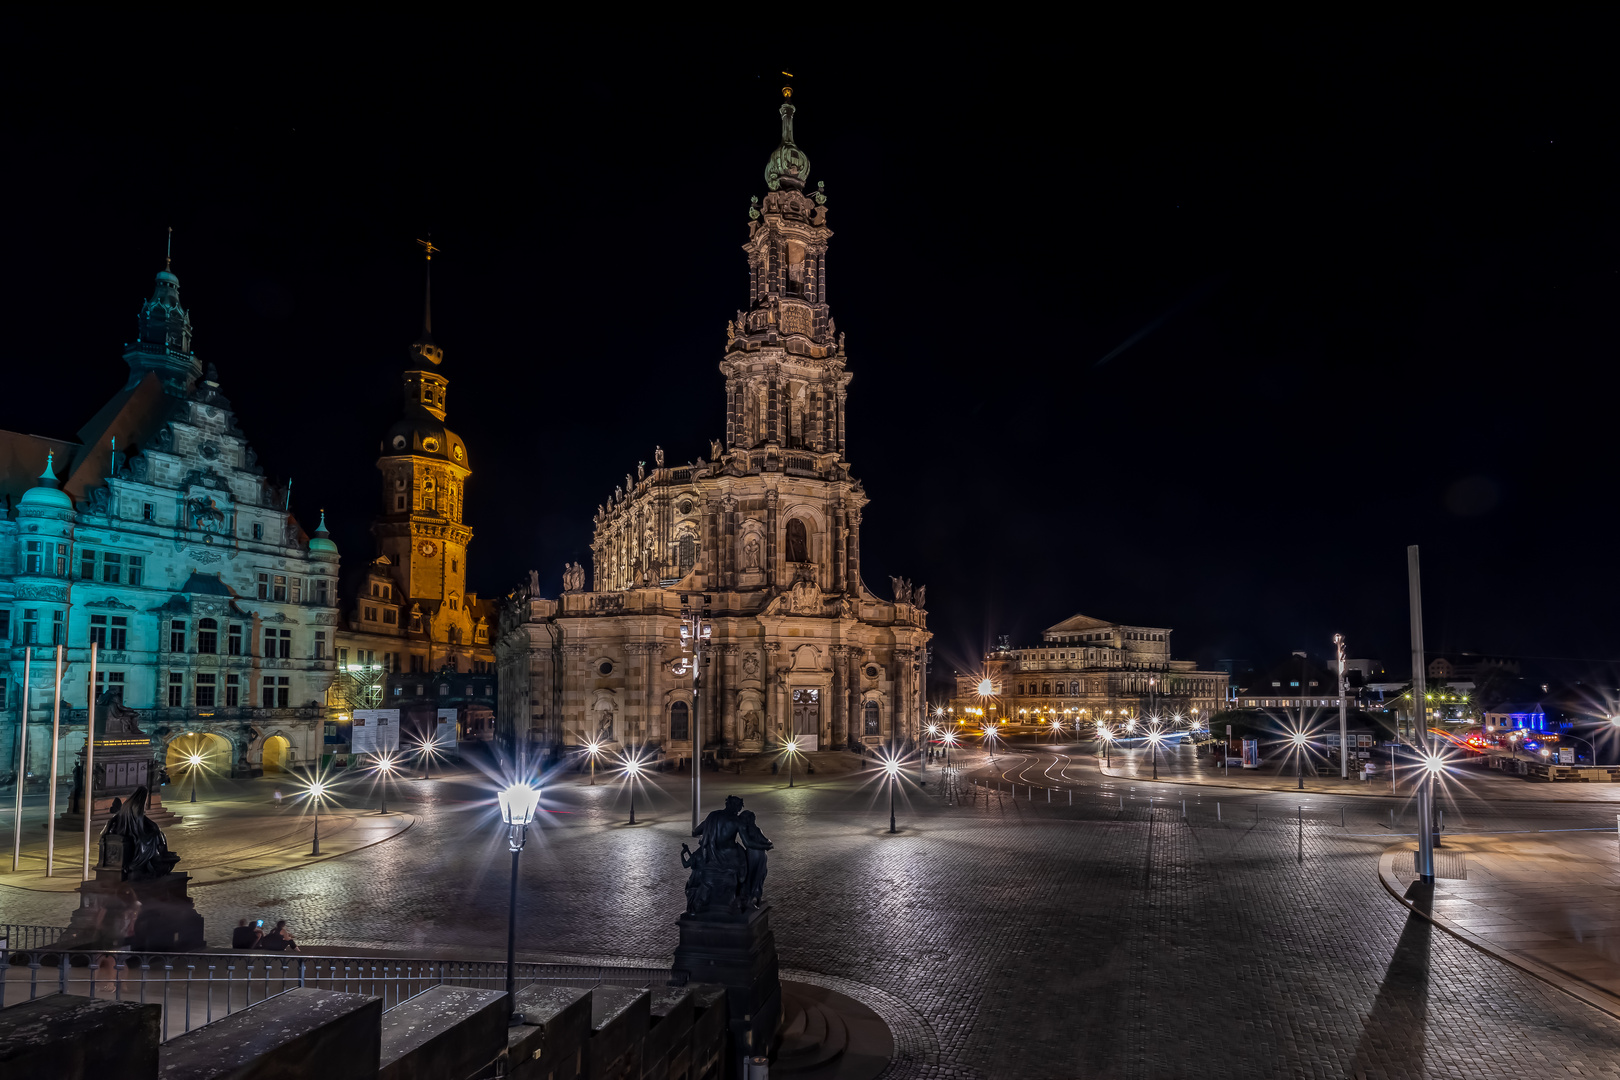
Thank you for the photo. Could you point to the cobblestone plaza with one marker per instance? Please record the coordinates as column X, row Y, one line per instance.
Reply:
column 998, row 934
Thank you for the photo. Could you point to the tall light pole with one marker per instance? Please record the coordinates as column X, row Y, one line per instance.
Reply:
column 22, row 762
column 892, row 767
column 517, row 811
column 317, row 791
column 194, row 761
column 695, row 633
column 632, row 774
column 1299, row 753
column 1425, row 866
column 1344, row 721
column 385, row 765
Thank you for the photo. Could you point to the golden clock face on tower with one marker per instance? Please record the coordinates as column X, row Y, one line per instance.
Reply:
column 427, row 548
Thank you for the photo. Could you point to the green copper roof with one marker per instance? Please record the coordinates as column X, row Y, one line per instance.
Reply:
column 788, row 166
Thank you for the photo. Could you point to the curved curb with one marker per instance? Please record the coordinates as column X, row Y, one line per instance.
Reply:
column 916, row 1048
column 1558, row 980
column 312, row 860
column 1346, row 794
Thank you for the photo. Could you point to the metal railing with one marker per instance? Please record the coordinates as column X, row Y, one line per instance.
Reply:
column 28, row 936
column 197, row 988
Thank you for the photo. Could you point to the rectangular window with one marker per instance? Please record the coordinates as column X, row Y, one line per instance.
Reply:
column 137, row 569
column 205, row 691
column 320, row 644
column 207, row 636
column 278, row 591
column 61, row 560
column 3, row 689
column 31, row 626
column 264, row 586
column 56, row 628
column 343, row 657
column 110, row 682
column 278, row 643
column 234, row 642
column 416, row 666
column 112, row 567
column 275, row 691
column 5, row 625
column 98, row 630
column 118, row 641
column 258, row 531
column 320, row 591
column 233, row 691
column 399, row 502
column 390, row 616
column 34, row 556
column 177, row 690
column 87, row 564
column 147, row 513
column 177, row 635
column 297, row 590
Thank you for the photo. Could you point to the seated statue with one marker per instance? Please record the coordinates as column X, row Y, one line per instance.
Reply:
column 133, row 842
column 116, row 719
column 721, row 867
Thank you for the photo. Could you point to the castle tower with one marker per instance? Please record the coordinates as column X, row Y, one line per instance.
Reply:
column 420, row 530
column 163, row 338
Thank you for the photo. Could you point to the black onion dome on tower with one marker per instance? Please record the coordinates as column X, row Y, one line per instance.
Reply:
column 421, row 431
column 788, row 166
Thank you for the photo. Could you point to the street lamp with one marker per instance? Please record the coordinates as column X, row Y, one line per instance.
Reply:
column 990, row 739
column 591, row 750
column 791, row 749
column 517, row 810
column 891, row 766
column 632, row 773
column 195, row 761
column 1154, row 735
column 1299, row 754
column 317, row 792
column 385, row 765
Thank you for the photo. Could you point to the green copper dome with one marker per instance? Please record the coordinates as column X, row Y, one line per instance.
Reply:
column 788, row 166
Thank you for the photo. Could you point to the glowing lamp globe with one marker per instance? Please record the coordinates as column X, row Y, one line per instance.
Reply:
column 892, row 767
column 517, row 804
column 986, row 687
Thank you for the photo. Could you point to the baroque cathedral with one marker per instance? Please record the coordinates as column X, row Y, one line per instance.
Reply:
column 764, row 536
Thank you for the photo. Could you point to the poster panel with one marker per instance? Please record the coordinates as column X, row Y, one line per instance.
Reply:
column 363, row 732
column 1251, row 753
column 387, row 728
column 445, row 738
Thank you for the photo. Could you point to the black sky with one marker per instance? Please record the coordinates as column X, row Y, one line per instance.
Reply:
column 1379, row 265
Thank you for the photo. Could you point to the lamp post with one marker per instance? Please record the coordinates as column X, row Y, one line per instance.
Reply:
column 195, row 762
column 1299, row 753
column 591, row 750
column 1106, row 736
column 1153, row 748
column 317, row 791
column 517, row 811
column 791, row 749
column 892, row 767
column 385, row 765
column 695, row 633
column 632, row 773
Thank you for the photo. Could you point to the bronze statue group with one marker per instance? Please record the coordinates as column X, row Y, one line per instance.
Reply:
column 728, row 868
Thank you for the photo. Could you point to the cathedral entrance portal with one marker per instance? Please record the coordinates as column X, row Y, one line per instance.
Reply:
column 806, row 713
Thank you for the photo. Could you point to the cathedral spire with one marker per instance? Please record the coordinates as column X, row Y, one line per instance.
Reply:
column 426, row 354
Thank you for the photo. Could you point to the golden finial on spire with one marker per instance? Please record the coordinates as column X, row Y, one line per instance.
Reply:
column 787, row 91
column 428, row 248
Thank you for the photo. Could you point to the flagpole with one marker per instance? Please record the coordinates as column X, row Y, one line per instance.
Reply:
column 90, row 761
column 56, row 736
column 22, row 766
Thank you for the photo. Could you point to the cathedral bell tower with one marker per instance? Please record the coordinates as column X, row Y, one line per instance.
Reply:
column 424, row 470
column 784, row 360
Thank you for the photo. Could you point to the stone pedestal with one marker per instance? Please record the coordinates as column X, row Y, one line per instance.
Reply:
column 70, row 822
column 739, row 953
column 166, row 921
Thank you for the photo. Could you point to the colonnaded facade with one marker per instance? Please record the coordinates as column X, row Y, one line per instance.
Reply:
column 1092, row 670
column 156, row 534
column 764, row 536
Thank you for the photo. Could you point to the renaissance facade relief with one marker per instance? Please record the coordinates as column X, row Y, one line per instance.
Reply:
column 765, row 535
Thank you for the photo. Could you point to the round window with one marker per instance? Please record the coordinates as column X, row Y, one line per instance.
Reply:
column 430, row 444
column 686, row 506
column 458, row 451
column 399, row 442
column 605, row 667
column 871, row 671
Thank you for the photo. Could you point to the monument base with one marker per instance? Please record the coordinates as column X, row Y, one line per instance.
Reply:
column 71, row 820
column 739, row 953
column 165, row 918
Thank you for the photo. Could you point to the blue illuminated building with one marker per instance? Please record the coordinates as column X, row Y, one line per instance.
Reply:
column 156, row 533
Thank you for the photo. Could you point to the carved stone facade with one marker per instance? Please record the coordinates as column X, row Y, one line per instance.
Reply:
column 165, row 542
column 767, row 534
column 1092, row 670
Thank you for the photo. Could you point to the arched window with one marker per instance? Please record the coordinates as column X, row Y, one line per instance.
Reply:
column 1074, row 687
column 798, row 542
column 870, row 715
column 207, row 636
column 679, row 721
column 688, row 555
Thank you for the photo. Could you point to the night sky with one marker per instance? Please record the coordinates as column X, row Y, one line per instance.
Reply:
column 1368, row 278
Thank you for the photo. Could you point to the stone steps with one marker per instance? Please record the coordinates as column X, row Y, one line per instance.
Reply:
column 811, row 1040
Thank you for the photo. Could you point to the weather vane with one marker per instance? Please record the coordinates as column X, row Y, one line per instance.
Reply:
column 168, row 254
column 427, row 246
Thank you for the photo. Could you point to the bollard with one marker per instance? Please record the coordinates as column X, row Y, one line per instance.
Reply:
column 1183, row 809
column 1301, row 834
column 1048, row 794
column 1071, row 796
column 1392, row 820
column 1442, row 821
column 1341, row 815
column 1217, row 811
